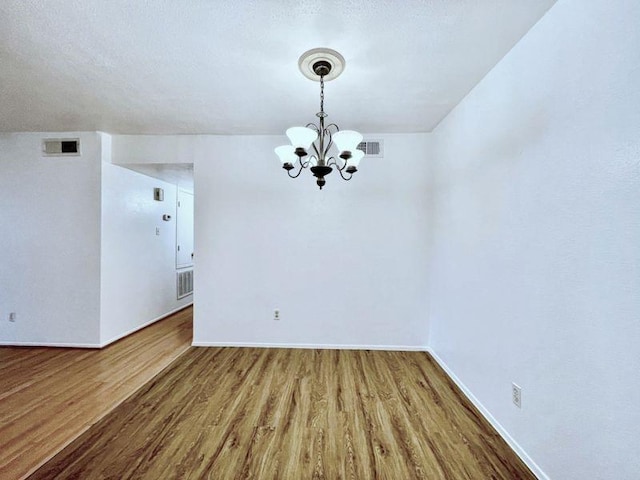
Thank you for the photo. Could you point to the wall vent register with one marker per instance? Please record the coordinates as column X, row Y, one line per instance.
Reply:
column 184, row 283
column 371, row 148
column 61, row 147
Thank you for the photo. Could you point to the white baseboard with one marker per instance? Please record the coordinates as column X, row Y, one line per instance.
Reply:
column 404, row 348
column 533, row 466
column 48, row 344
column 140, row 327
column 91, row 345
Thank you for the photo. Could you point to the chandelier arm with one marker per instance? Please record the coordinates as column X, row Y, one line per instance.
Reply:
column 337, row 165
column 302, row 167
column 308, row 162
column 317, row 129
column 317, row 155
column 329, row 143
column 327, row 131
column 332, row 161
column 343, row 177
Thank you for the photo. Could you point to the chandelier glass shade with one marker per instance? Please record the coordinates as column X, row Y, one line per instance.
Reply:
column 320, row 147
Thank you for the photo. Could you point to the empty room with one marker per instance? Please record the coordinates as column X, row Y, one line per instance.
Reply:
column 320, row 239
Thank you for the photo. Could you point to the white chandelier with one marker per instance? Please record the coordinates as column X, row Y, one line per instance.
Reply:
column 321, row 64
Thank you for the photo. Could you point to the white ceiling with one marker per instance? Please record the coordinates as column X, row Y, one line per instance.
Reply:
column 230, row 66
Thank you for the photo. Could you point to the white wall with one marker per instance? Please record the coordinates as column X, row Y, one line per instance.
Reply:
column 344, row 265
column 138, row 274
column 536, row 268
column 49, row 241
column 55, row 215
column 158, row 148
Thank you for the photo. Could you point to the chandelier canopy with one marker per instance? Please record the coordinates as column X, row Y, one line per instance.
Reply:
column 323, row 65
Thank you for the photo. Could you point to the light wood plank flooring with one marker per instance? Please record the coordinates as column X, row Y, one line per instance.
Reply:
column 50, row 396
column 243, row 413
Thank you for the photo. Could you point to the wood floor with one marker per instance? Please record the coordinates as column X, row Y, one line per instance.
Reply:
column 242, row 413
column 50, row 396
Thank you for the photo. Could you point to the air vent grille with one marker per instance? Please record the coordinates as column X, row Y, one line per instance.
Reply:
column 61, row 147
column 371, row 148
column 184, row 283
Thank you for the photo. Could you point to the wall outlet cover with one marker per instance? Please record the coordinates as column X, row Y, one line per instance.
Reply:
column 516, row 395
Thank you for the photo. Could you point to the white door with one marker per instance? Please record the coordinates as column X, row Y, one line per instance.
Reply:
column 184, row 228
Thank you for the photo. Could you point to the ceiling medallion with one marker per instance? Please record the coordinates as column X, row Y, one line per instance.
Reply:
column 321, row 65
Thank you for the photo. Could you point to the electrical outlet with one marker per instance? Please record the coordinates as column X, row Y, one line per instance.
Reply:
column 12, row 317
column 276, row 314
column 516, row 395
column 157, row 230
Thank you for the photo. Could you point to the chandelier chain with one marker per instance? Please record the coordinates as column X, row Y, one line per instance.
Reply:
column 322, row 93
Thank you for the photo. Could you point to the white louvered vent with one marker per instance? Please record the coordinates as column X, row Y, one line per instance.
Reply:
column 184, row 283
column 372, row 148
column 61, row 147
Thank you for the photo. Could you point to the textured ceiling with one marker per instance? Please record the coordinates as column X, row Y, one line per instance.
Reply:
column 230, row 66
